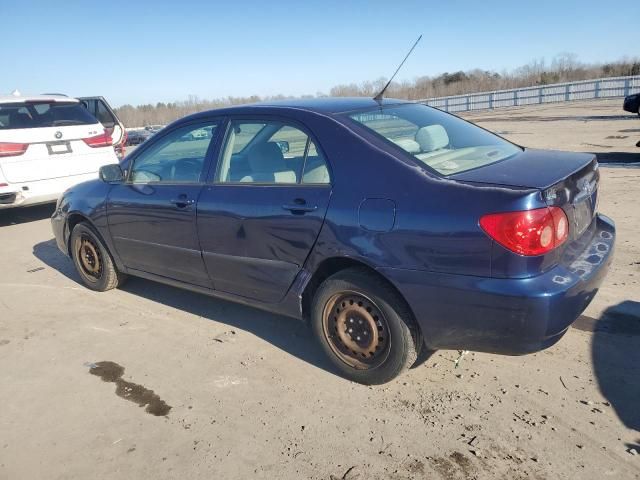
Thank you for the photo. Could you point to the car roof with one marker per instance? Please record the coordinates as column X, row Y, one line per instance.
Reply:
column 325, row 105
column 35, row 98
column 331, row 104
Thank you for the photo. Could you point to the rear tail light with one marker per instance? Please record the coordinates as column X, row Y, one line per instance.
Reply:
column 528, row 232
column 103, row 140
column 12, row 149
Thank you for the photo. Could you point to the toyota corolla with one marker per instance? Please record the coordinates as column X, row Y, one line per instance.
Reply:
column 389, row 226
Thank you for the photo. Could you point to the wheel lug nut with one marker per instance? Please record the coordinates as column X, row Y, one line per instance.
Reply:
column 357, row 338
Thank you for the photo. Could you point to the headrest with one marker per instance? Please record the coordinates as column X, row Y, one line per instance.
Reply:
column 432, row 137
column 266, row 157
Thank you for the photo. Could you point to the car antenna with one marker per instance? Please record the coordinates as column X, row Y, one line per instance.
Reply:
column 378, row 97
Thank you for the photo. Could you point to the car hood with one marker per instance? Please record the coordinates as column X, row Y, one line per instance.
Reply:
column 530, row 168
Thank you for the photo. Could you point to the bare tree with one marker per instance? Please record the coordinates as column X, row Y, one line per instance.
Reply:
column 564, row 67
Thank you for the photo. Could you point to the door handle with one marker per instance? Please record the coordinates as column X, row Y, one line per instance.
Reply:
column 182, row 201
column 299, row 205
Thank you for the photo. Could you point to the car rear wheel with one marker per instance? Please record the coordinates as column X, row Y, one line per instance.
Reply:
column 364, row 327
column 92, row 260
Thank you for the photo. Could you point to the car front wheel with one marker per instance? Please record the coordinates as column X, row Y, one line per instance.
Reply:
column 92, row 260
column 364, row 327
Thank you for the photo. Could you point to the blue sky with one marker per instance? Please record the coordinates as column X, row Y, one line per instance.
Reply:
column 140, row 52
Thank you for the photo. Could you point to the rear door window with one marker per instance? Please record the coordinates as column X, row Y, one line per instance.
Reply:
column 315, row 167
column 244, row 133
column 43, row 114
column 270, row 153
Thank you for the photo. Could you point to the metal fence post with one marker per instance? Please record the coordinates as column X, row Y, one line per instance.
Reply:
column 597, row 89
column 540, row 95
column 566, row 93
column 468, row 103
column 446, row 104
column 515, row 98
column 627, row 86
column 491, row 100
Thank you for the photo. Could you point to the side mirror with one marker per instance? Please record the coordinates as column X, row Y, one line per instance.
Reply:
column 111, row 173
column 284, row 146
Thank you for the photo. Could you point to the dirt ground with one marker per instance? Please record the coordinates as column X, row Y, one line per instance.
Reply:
column 599, row 126
column 185, row 386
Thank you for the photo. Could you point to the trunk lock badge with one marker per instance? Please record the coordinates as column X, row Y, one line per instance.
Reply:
column 550, row 194
column 585, row 186
column 58, row 135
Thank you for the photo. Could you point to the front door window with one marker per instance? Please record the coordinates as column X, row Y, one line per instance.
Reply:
column 177, row 158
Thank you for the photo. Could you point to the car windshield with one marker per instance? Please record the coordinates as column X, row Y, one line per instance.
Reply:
column 442, row 142
column 43, row 114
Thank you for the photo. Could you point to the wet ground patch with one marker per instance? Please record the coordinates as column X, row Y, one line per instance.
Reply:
column 112, row 372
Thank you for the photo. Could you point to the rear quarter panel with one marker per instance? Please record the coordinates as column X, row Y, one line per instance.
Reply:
column 436, row 219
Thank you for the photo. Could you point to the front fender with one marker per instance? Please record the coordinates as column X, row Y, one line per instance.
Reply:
column 85, row 202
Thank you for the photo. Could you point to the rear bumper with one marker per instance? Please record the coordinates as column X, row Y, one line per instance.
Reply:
column 21, row 198
column 41, row 191
column 509, row 316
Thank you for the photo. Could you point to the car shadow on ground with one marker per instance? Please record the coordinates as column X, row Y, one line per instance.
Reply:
column 288, row 334
column 618, row 157
column 615, row 351
column 16, row 216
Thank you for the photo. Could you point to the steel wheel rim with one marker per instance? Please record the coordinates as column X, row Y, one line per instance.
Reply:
column 89, row 258
column 356, row 330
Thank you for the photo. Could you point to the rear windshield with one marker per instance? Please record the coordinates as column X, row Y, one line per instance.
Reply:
column 442, row 142
column 43, row 114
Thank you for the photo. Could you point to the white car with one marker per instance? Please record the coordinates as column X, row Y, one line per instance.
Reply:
column 48, row 144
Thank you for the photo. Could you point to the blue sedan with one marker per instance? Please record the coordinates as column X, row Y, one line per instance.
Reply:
column 389, row 226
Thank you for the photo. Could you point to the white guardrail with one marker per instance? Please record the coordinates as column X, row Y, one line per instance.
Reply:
column 558, row 92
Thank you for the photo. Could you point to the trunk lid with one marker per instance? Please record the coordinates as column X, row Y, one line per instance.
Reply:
column 532, row 168
column 100, row 108
column 567, row 180
column 577, row 195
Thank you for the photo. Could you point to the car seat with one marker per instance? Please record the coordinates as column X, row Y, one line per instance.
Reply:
column 267, row 165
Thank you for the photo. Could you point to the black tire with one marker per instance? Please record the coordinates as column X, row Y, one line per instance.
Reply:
column 355, row 297
column 92, row 259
